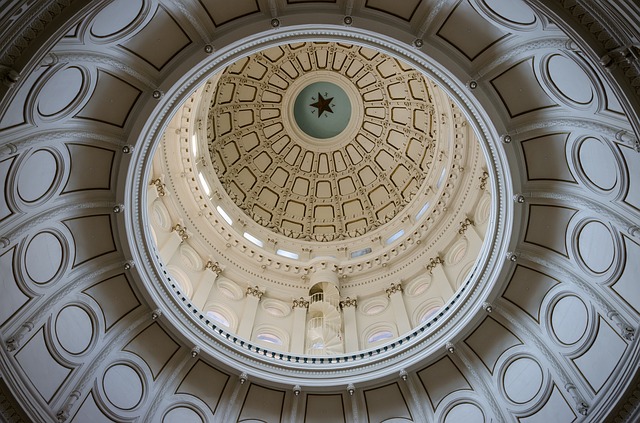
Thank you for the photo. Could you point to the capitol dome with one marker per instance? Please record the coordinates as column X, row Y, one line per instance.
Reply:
column 319, row 211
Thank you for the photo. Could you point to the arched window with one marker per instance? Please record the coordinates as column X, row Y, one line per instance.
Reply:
column 379, row 336
column 218, row 318
column 270, row 338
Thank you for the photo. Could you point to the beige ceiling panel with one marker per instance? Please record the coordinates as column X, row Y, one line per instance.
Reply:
column 555, row 409
column 296, row 209
column 91, row 168
column 324, row 213
column 323, row 164
column 632, row 197
column 338, row 60
column 105, row 291
column 280, row 177
column 385, row 160
column 249, row 142
column 278, row 82
column 274, row 53
column 364, row 142
column 262, row 404
column 599, row 361
column 304, row 59
column 290, row 70
column 261, row 213
column 301, row 186
column 92, row 236
column 111, row 101
column 403, row 10
column 231, row 154
column 469, row 32
column 279, row 145
column 224, row 94
column 162, row 30
column 352, row 208
column 206, row 383
column 520, row 90
column 397, row 91
column 292, row 156
column 373, row 128
column 375, row 112
column 271, row 97
column 379, row 195
column 223, row 123
column 322, row 58
column 367, row 175
column 90, row 412
column 339, row 162
column 400, row 176
column 547, row 227
column 386, row 211
column 441, row 379
column 354, row 155
column 246, row 178
column 255, row 70
column 396, row 139
column 401, row 116
column 366, row 80
column 346, row 186
column 353, row 69
column 154, row 346
column 324, row 408
column 356, row 224
column 223, row 11
column 244, row 118
column 40, row 367
column 236, row 192
column 272, row 130
column 264, row 160
column 247, row 93
column 627, row 286
column 490, row 340
column 418, row 90
column 5, row 171
column 12, row 298
column 268, row 198
column 546, row 158
column 323, row 189
column 386, row 403
column 527, row 289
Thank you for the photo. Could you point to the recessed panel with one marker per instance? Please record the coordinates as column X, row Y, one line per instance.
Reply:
column 522, row 380
column 122, row 386
column 43, row 257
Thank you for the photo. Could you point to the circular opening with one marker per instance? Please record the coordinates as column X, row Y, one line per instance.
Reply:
column 322, row 110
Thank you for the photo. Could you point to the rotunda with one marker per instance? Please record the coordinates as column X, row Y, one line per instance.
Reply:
column 312, row 210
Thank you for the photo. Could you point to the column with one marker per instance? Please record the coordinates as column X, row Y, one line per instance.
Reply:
column 298, row 334
column 155, row 190
column 439, row 278
column 208, row 278
column 348, row 306
column 249, row 313
column 178, row 236
column 394, row 292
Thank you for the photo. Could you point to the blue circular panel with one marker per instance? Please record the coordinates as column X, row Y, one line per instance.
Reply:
column 322, row 110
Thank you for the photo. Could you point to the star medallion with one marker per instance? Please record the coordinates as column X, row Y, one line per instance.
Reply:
column 323, row 104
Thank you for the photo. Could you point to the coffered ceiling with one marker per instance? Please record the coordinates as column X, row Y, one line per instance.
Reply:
column 88, row 335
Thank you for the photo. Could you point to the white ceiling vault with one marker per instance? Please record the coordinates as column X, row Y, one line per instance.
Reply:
column 553, row 91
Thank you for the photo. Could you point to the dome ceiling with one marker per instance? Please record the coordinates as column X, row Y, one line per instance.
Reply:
column 95, row 327
column 269, row 150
